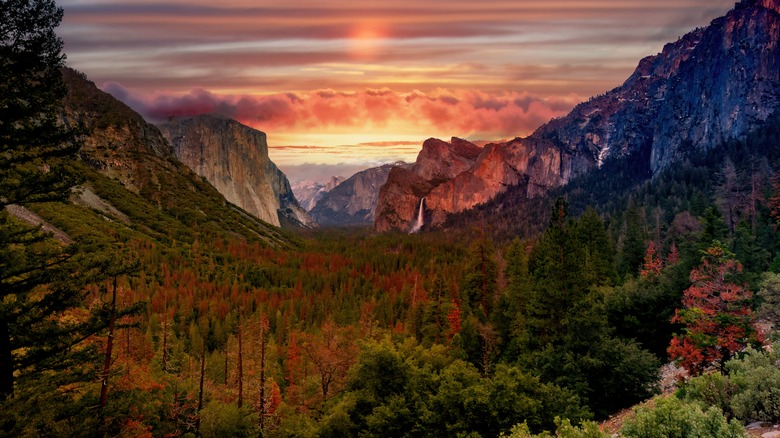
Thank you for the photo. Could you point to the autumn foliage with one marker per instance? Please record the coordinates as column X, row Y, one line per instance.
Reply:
column 716, row 315
column 653, row 263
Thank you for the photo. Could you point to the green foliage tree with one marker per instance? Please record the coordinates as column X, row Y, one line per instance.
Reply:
column 632, row 248
column 405, row 390
column 769, row 294
column 564, row 429
column 37, row 275
column 569, row 340
column 480, row 290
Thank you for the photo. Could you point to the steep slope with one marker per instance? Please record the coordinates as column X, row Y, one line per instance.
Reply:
column 309, row 192
column 234, row 159
column 354, row 201
column 713, row 84
column 133, row 178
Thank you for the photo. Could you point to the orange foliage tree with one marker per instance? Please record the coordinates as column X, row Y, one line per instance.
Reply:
column 717, row 317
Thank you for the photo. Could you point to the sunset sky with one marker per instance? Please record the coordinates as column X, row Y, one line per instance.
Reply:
column 341, row 85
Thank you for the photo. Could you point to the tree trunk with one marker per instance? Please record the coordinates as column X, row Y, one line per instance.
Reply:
column 438, row 310
column 200, row 389
column 226, row 362
column 109, row 351
column 165, row 340
column 263, row 329
column 6, row 362
column 240, row 368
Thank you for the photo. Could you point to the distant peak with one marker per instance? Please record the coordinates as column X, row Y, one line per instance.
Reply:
column 768, row 4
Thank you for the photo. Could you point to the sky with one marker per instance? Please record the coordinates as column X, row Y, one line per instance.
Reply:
column 338, row 86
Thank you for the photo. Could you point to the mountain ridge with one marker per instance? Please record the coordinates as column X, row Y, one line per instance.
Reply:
column 714, row 83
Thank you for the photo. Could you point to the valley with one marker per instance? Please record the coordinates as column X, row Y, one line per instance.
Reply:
column 167, row 279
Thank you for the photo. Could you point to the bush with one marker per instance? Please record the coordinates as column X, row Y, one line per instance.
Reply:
column 758, row 378
column 588, row 429
column 749, row 392
column 672, row 418
column 710, row 390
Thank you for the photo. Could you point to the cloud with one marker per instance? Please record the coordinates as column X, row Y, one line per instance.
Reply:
column 265, row 47
column 453, row 112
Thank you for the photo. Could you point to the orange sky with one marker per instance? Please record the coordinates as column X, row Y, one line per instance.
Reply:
column 362, row 81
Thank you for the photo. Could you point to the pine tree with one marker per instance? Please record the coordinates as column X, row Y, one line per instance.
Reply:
column 632, row 251
column 39, row 279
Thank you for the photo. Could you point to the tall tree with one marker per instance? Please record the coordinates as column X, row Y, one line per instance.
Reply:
column 632, row 248
column 39, row 279
column 730, row 195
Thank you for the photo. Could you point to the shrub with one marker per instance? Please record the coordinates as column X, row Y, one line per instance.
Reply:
column 588, row 429
column 672, row 418
column 749, row 392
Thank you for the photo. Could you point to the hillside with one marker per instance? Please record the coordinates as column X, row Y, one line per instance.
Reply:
column 129, row 166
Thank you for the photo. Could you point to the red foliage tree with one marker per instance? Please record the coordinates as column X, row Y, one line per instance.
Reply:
column 717, row 317
column 653, row 263
column 453, row 318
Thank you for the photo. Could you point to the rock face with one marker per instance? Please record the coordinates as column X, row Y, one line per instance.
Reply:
column 234, row 159
column 120, row 143
column 713, row 84
column 309, row 192
column 353, row 202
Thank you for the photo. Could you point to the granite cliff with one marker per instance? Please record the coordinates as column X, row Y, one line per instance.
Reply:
column 713, row 84
column 234, row 159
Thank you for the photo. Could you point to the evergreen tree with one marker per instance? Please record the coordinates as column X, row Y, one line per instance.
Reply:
column 632, row 249
column 40, row 279
column 481, row 286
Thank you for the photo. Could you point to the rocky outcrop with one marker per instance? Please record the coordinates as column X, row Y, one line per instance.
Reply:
column 538, row 164
column 439, row 160
column 120, row 143
column 353, row 202
column 234, row 159
column 713, row 84
column 309, row 192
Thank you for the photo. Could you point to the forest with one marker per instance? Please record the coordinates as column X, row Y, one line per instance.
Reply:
column 172, row 322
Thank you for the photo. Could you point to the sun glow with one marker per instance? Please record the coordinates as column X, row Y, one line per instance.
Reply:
column 366, row 40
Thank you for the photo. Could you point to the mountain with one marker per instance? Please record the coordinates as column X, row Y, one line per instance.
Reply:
column 133, row 183
column 713, row 84
column 234, row 158
column 437, row 163
column 309, row 192
column 353, row 201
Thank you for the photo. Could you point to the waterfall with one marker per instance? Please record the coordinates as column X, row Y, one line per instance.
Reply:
column 418, row 223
